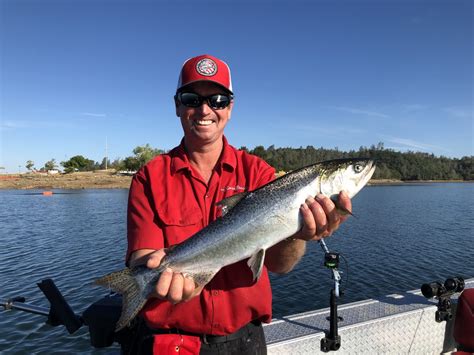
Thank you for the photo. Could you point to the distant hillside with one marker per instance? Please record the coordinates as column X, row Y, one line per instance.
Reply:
column 390, row 164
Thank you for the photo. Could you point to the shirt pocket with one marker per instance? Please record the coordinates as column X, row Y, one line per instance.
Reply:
column 179, row 223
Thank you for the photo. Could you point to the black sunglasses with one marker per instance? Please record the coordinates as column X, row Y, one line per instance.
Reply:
column 216, row 101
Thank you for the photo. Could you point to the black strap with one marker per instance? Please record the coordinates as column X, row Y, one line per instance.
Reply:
column 209, row 338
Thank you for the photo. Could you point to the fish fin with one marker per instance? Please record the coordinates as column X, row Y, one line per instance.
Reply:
column 202, row 278
column 228, row 203
column 342, row 210
column 133, row 300
column 256, row 263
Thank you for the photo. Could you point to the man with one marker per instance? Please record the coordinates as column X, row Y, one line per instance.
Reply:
column 175, row 195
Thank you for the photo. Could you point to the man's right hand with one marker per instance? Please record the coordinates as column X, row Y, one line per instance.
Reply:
column 172, row 286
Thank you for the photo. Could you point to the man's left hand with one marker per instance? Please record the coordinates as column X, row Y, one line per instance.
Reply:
column 321, row 217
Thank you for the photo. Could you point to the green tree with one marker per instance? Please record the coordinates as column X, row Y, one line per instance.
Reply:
column 465, row 167
column 145, row 153
column 78, row 163
column 103, row 165
column 29, row 165
column 131, row 163
column 50, row 165
column 117, row 164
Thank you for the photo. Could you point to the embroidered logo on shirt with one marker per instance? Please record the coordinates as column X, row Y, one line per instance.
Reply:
column 233, row 188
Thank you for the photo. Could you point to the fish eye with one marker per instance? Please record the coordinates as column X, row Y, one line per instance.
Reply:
column 358, row 168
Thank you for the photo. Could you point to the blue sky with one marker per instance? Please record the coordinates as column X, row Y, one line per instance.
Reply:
column 324, row 73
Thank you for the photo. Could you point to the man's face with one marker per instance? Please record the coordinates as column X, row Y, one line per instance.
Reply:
column 203, row 124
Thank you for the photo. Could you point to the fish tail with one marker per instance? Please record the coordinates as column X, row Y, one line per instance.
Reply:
column 125, row 283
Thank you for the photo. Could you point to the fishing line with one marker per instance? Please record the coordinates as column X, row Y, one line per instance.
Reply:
column 346, row 281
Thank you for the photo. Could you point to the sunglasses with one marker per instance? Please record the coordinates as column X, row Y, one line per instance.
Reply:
column 217, row 101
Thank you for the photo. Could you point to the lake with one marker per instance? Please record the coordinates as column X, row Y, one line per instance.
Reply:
column 402, row 237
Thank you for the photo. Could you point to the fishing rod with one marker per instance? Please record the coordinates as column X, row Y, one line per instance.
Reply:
column 332, row 340
column 331, row 261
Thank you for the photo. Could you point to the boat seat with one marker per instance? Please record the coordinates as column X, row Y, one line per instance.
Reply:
column 464, row 323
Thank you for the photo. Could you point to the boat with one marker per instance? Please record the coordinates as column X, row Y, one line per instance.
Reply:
column 403, row 323
column 406, row 323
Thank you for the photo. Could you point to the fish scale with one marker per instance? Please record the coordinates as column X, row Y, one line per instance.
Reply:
column 251, row 223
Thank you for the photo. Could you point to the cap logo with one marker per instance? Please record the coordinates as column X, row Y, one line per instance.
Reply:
column 206, row 67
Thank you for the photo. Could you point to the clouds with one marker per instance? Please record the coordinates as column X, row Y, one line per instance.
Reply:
column 54, row 119
column 412, row 108
column 7, row 124
column 17, row 125
column 411, row 144
column 91, row 114
column 458, row 112
column 358, row 111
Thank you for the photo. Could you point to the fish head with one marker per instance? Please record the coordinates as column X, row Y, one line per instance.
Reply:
column 349, row 175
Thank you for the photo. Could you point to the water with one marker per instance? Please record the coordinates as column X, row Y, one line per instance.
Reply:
column 403, row 236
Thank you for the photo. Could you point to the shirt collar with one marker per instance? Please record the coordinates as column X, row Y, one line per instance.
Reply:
column 180, row 161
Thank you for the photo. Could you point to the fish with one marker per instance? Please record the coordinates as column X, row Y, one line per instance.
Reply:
column 251, row 222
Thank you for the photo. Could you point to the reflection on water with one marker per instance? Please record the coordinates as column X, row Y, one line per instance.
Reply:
column 402, row 237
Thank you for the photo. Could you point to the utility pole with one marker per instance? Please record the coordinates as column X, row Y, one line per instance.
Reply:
column 105, row 152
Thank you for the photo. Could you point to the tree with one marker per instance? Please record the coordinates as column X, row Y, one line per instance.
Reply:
column 29, row 165
column 117, row 164
column 103, row 165
column 131, row 163
column 50, row 165
column 145, row 153
column 78, row 163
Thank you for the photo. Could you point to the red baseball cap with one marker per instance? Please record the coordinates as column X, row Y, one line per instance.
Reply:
column 205, row 68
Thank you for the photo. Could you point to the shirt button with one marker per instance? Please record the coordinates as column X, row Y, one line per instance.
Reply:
column 206, row 196
column 215, row 292
column 176, row 349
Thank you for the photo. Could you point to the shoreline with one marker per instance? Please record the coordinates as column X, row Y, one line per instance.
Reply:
column 105, row 179
column 381, row 182
column 108, row 179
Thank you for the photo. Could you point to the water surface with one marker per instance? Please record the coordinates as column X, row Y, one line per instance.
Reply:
column 402, row 237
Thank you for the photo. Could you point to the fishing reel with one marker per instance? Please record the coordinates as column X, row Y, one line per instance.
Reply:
column 331, row 260
column 443, row 293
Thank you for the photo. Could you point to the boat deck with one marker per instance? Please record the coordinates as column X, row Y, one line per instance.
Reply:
column 397, row 323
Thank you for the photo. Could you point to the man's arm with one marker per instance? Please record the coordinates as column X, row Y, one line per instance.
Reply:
column 320, row 220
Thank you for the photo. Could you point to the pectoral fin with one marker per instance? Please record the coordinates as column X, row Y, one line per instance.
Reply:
column 256, row 263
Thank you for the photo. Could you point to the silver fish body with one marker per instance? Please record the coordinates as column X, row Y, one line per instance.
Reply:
column 252, row 222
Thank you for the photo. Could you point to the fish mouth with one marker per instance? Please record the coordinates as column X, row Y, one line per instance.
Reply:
column 370, row 169
column 370, row 172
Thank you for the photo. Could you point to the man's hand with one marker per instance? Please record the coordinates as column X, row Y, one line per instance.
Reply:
column 171, row 286
column 320, row 216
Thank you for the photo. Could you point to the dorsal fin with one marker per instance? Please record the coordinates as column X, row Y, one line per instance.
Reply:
column 229, row 202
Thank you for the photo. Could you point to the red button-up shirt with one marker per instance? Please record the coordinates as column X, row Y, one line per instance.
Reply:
column 169, row 202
